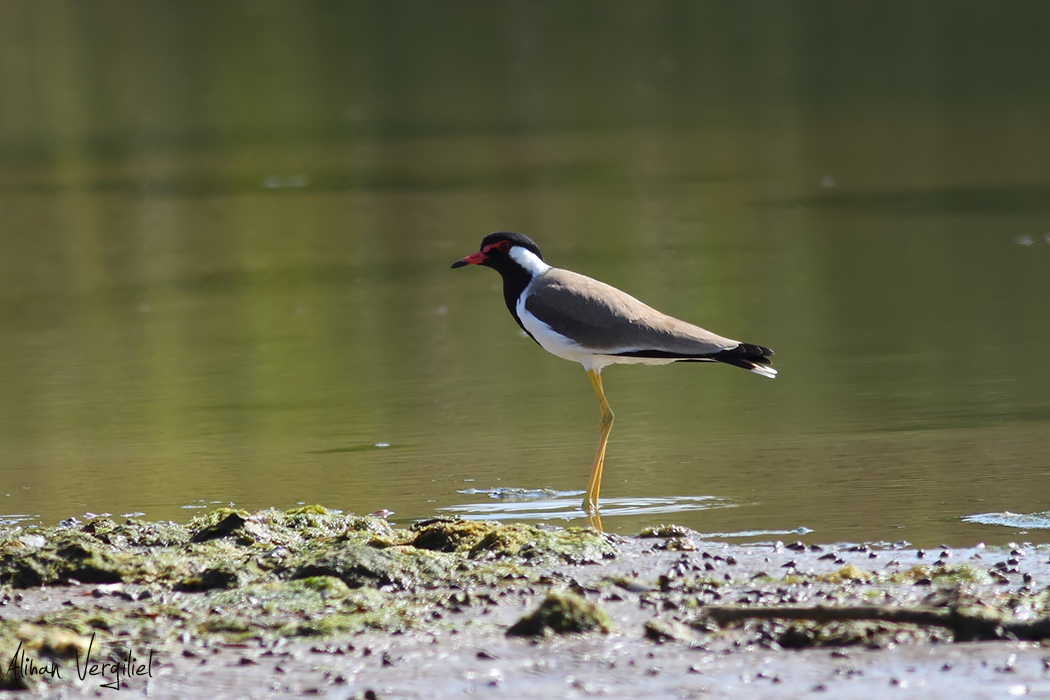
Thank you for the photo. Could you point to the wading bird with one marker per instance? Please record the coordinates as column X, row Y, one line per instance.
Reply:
column 587, row 321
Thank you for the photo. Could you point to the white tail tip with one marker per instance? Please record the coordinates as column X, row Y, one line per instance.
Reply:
column 765, row 371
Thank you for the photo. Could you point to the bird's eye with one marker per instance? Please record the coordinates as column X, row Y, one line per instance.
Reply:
column 504, row 247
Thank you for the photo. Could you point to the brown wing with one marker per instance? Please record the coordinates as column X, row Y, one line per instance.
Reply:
column 603, row 318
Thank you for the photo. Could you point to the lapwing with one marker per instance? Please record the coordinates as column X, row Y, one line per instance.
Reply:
column 590, row 322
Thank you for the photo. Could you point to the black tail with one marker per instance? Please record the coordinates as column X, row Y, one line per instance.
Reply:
column 747, row 356
column 754, row 358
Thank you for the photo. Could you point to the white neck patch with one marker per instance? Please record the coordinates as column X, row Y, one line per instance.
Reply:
column 527, row 259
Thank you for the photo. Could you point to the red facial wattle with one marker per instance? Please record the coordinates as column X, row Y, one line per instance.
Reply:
column 475, row 259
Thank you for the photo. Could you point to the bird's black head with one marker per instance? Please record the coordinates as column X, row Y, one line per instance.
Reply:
column 495, row 251
column 516, row 269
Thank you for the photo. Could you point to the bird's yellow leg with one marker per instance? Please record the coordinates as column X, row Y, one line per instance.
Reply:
column 590, row 501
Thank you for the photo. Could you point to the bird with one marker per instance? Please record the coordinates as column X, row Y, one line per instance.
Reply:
column 583, row 320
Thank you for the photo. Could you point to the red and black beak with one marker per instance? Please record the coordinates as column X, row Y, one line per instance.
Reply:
column 475, row 259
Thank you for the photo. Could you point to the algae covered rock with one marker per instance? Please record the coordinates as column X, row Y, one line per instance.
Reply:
column 228, row 548
column 450, row 534
column 562, row 613
column 481, row 539
column 298, row 573
column 309, row 607
column 295, row 529
column 227, row 526
column 137, row 533
column 222, row 549
column 668, row 630
column 666, row 531
column 64, row 557
column 216, row 577
column 359, row 565
column 874, row 635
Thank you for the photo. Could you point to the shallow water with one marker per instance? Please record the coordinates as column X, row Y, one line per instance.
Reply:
column 227, row 233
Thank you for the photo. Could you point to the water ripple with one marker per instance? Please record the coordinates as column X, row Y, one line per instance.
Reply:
column 1030, row 521
column 539, row 504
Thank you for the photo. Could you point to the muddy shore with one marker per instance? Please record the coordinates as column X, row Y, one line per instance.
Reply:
column 310, row 601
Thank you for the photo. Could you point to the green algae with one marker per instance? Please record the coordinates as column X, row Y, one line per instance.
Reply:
column 850, row 573
column 64, row 557
column 947, row 574
column 221, row 549
column 138, row 533
column 309, row 607
column 359, row 565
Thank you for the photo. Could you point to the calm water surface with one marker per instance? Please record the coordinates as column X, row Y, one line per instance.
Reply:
column 225, row 239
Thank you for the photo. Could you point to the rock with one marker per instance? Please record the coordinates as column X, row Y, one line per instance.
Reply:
column 225, row 527
column 360, row 565
column 660, row 630
column 562, row 613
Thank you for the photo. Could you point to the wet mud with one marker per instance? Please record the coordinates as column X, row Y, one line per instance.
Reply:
column 311, row 601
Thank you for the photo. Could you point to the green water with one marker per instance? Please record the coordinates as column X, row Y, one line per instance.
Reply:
column 226, row 231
